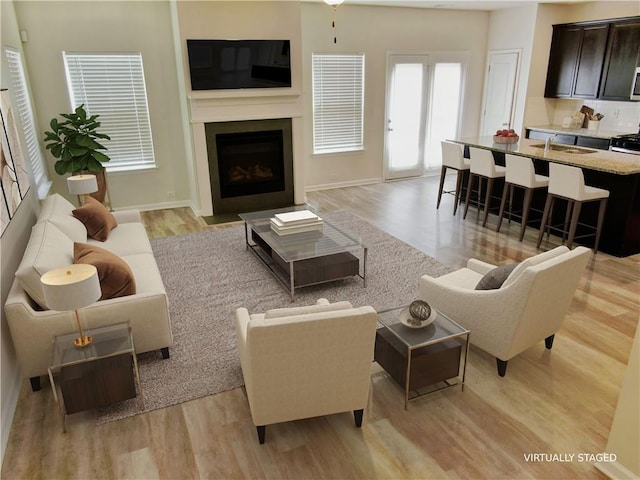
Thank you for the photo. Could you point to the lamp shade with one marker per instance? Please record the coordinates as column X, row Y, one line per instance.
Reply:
column 81, row 184
column 71, row 287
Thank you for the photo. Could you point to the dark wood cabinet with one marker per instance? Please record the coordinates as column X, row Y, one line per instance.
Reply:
column 623, row 55
column 593, row 59
column 559, row 137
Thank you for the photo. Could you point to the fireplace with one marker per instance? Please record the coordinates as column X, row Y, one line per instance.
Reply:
column 250, row 164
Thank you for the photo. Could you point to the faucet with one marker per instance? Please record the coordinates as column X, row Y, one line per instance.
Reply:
column 548, row 142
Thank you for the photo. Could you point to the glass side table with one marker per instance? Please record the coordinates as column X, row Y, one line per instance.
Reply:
column 420, row 357
column 100, row 374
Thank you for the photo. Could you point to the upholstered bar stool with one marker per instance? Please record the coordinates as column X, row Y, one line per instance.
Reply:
column 520, row 173
column 452, row 157
column 567, row 182
column 482, row 166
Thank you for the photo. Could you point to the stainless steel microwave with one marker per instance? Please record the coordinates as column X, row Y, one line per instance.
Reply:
column 635, row 86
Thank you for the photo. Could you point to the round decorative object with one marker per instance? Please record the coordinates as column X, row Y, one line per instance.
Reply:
column 501, row 139
column 408, row 321
column 420, row 310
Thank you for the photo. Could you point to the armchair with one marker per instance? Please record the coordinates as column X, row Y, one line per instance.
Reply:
column 304, row 362
column 529, row 306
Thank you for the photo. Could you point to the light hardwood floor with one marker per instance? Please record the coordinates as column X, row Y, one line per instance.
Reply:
column 555, row 402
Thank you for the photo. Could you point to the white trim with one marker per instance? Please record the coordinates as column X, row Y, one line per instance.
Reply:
column 350, row 183
column 616, row 470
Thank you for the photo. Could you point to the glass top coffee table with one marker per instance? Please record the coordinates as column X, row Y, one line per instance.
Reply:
column 417, row 358
column 308, row 258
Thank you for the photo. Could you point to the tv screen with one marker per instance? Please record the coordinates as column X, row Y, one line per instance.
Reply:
column 226, row 64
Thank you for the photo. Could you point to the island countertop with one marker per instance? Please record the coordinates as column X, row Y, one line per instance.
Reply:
column 599, row 160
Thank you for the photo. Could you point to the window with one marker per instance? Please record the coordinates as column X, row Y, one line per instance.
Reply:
column 113, row 86
column 338, row 102
column 25, row 116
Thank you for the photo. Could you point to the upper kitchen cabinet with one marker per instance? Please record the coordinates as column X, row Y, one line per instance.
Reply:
column 576, row 59
column 593, row 59
column 623, row 55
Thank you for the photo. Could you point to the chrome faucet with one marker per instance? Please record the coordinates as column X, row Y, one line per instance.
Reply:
column 548, row 142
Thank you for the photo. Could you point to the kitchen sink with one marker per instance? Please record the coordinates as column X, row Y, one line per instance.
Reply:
column 564, row 148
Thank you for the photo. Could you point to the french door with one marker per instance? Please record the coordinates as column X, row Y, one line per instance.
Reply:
column 424, row 107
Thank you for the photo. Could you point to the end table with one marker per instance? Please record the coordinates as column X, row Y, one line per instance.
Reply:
column 100, row 374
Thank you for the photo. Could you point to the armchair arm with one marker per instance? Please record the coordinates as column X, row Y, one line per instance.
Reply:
column 479, row 266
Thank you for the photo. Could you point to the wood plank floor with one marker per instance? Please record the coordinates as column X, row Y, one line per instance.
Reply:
column 556, row 402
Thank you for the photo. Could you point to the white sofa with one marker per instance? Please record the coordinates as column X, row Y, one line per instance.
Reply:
column 50, row 245
column 304, row 362
column 529, row 306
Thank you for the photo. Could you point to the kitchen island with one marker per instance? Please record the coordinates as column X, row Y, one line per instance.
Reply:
column 617, row 172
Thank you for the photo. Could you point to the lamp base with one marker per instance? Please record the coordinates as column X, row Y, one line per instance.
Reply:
column 83, row 341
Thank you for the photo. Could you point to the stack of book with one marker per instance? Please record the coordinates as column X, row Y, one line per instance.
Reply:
column 295, row 222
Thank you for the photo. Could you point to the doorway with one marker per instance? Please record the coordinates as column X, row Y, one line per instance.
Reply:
column 424, row 107
column 500, row 91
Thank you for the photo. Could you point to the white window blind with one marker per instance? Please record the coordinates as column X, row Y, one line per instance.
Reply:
column 338, row 102
column 113, row 86
column 20, row 92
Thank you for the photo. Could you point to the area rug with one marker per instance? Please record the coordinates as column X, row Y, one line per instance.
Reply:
column 208, row 275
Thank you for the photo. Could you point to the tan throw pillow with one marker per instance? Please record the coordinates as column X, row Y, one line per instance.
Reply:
column 116, row 277
column 96, row 218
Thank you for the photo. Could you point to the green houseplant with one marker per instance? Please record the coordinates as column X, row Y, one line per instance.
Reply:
column 74, row 142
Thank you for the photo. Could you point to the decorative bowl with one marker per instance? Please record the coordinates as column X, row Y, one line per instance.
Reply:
column 501, row 139
column 408, row 321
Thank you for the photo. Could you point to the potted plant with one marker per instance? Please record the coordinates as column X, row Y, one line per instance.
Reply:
column 75, row 143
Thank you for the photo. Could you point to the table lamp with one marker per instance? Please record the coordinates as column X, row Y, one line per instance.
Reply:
column 70, row 288
column 82, row 184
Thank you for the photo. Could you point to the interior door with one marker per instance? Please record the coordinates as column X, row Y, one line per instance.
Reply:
column 500, row 91
column 406, row 115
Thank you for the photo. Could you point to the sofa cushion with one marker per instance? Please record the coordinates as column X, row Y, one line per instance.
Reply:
column 96, row 218
column 287, row 312
column 70, row 226
column 116, row 278
column 495, row 278
column 55, row 204
column 48, row 248
column 127, row 239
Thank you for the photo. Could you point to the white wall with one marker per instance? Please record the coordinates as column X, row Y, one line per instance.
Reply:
column 375, row 31
column 114, row 26
column 12, row 244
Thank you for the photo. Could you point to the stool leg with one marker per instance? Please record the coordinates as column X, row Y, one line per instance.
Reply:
column 577, row 206
column 511, row 202
column 603, row 207
column 567, row 216
column 459, row 182
column 487, row 200
column 545, row 218
column 468, row 199
column 526, row 207
column 443, row 172
column 503, row 202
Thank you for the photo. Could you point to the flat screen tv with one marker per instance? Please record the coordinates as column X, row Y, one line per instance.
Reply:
column 227, row 64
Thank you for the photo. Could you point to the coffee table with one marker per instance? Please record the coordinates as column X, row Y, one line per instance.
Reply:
column 302, row 259
column 420, row 357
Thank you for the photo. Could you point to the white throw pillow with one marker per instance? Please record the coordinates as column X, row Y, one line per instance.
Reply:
column 48, row 248
column 530, row 262
column 55, row 204
column 287, row 312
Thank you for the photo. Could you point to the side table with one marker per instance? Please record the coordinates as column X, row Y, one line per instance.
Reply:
column 419, row 357
column 100, row 374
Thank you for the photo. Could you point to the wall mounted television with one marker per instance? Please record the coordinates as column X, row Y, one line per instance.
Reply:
column 229, row 64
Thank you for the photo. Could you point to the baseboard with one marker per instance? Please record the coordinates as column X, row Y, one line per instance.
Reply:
column 354, row 183
column 9, row 404
column 160, row 206
column 616, row 470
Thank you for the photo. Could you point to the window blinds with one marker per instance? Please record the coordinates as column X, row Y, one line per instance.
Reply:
column 113, row 86
column 338, row 102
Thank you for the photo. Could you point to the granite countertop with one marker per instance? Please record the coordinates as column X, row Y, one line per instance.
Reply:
column 600, row 160
column 581, row 132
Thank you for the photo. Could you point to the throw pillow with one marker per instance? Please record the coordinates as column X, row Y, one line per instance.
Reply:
column 96, row 218
column 115, row 275
column 496, row 277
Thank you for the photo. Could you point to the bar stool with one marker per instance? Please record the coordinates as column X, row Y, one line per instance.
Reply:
column 482, row 166
column 520, row 173
column 452, row 157
column 567, row 182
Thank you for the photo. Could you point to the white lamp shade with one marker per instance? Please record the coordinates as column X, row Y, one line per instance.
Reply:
column 71, row 287
column 81, row 184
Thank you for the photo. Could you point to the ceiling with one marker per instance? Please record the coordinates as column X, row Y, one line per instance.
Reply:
column 456, row 4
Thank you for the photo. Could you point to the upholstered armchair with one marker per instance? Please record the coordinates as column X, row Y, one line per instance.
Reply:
column 523, row 305
column 304, row 362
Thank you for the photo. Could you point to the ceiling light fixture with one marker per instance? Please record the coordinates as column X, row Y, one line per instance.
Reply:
column 334, row 4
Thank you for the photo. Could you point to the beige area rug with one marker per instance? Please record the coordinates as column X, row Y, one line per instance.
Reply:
column 208, row 275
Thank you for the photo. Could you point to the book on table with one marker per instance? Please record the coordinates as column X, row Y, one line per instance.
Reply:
column 298, row 217
column 284, row 229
